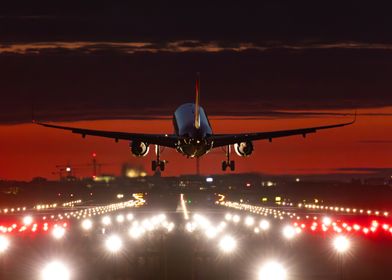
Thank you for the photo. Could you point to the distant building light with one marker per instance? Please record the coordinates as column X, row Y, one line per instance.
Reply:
column 135, row 173
column 297, row 179
column 248, row 184
column 103, row 178
column 68, row 169
column 120, row 195
column 278, row 198
column 264, row 199
column 209, row 179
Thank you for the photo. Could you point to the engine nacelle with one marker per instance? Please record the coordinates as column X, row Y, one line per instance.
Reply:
column 243, row 149
column 139, row 148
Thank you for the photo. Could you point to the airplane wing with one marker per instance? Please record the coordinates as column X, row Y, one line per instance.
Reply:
column 165, row 140
column 229, row 139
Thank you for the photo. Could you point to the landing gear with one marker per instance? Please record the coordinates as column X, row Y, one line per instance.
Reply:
column 228, row 163
column 158, row 163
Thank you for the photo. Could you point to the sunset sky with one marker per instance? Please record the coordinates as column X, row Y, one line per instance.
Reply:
column 127, row 67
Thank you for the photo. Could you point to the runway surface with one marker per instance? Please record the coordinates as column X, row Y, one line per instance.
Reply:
column 173, row 237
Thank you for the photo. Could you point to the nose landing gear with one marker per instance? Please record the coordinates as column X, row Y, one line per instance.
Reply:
column 228, row 163
column 158, row 163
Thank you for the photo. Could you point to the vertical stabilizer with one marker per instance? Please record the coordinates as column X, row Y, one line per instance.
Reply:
column 197, row 111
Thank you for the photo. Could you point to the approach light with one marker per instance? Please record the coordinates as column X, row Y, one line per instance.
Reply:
column 272, row 271
column 113, row 243
column 341, row 244
column 55, row 270
column 227, row 244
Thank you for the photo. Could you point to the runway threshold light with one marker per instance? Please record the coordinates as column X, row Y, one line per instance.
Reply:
column 56, row 271
column 272, row 271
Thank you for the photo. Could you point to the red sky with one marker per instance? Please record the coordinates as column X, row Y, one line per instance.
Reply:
column 28, row 150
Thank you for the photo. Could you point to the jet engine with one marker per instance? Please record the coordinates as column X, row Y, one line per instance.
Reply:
column 139, row 148
column 243, row 149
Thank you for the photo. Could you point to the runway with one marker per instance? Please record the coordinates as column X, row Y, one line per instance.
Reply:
column 140, row 239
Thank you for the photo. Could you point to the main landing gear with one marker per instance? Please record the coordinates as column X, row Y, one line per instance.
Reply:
column 158, row 163
column 228, row 163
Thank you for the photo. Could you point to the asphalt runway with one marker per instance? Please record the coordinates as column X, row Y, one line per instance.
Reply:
column 146, row 239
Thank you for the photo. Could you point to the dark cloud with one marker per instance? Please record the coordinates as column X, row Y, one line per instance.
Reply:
column 72, row 83
column 287, row 21
column 183, row 46
column 75, row 60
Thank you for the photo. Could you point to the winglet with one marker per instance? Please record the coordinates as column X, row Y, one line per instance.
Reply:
column 197, row 102
column 355, row 116
column 33, row 120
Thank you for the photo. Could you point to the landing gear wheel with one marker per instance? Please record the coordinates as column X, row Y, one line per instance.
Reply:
column 158, row 163
column 162, row 165
column 154, row 165
column 228, row 163
column 224, row 165
column 232, row 165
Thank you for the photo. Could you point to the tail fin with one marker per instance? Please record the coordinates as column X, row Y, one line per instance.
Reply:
column 197, row 101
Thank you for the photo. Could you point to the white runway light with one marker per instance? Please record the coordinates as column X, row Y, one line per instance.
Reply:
column 58, row 232
column 113, row 243
column 249, row 221
column 120, row 219
column 27, row 220
column 87, row 224
column 135, row 232
column 264, row 225
column 236, row 218
column 227, row 244
column 4, row 244
column 55, row 271
column 272, row 271
column 289, row 232
column 341, row 244
column 106, row 220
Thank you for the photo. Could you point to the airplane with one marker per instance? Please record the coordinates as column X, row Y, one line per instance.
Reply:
column 193, row 136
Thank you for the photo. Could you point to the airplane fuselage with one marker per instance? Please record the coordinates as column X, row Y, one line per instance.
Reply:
column 192, row 141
